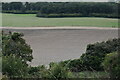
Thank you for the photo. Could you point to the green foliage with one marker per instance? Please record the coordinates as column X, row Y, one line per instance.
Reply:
column 13, row 43
column 91, row 74
column 13, row 67
column 34, row 72
column 0, row 65
column 75, row 65
column 112, row 64
column 95, row 53
column 73, row 9
column 15, row 55
column 58, row 15
column 94, row 56
column 57, row 71
column 38, row 72
column 56, row 9
column 105, row 15
column 61, row 15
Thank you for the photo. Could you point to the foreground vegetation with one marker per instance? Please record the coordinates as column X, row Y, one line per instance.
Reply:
column 30, row 20
column 101, row 60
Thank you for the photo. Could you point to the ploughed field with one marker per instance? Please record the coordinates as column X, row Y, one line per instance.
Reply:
column 62, row 44
column 27, row 20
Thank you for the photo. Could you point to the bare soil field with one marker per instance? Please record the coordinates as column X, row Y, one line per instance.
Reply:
column 54, row 45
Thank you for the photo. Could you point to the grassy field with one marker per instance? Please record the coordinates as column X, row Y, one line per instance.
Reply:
column 29, row 20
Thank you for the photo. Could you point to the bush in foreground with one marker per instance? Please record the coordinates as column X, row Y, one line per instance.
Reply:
column 94, row 56
column 15, row 55
column 13, row 67
column 57, row 71
column 112, row 64
column 13, row 43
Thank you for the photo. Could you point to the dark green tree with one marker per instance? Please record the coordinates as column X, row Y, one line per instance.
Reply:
column 95, row 53
column 58, row 72
column 94, row 56
column 112, row 64
column 13, row 66
column 13, row 43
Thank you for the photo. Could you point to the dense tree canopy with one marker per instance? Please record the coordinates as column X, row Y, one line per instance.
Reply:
column 13, row 67
column 14, row 44
column 95, row 53
column 101, row 9
column 15, row 55
column 112, row 64
column 94, row 56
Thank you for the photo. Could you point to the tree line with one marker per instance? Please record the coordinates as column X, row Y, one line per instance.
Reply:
column 63, row 9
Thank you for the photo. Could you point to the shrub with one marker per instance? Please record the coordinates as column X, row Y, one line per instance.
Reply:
column 13, row 67
column 15, row 55
column 94, row 56
column 95, row 53
column 59, row 15
column 105, row 15
column 13, row 43
column 57, row 71
column 112, row 64
column 76, row 65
